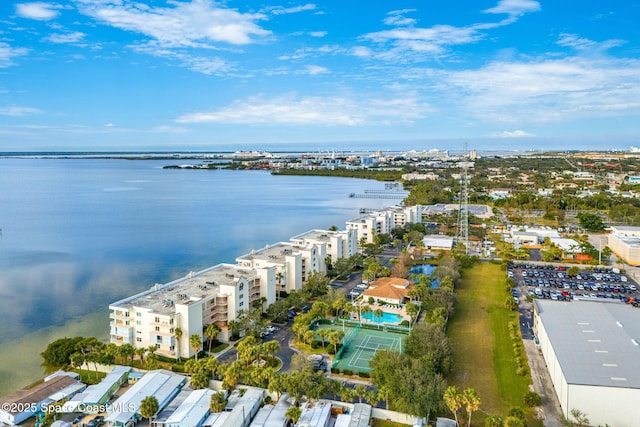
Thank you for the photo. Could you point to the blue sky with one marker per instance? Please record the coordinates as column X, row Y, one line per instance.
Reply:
column 94, row 75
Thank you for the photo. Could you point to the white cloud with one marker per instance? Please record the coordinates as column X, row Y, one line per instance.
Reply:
column 208, row 65
column 549, row 90
column 585, row 45
column 512, row 134
column 15, row 111
column 397, row 18
column 192, row 24
column 318, row 34
column 318, row 111
column 74, row 37
column 7, row 53
column 279, row 10
column 37, row 10
column 407, row 39
column 315, row 70
column 515, row 7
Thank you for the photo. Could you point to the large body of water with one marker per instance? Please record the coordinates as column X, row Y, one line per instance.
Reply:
column 77, row 234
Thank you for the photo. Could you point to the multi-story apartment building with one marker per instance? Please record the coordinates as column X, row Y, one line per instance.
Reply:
column 334, row 244
column 383, row 221
column 216, row 295
column 293, row 263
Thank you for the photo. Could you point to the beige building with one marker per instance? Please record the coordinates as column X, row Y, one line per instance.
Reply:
column 216, row 295
column 392, row 290
column 293, row 263
column 337, row 244
column 625, row 243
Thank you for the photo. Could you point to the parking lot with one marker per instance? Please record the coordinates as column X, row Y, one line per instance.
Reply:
column 554, row 282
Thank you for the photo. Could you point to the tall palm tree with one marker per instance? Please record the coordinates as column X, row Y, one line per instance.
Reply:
column 177, row 332
column 211, row 331
column 364, row 310
column 453, row 400
column 377, row 313
column 471, row 402
column 279, row 277
column 148, row 407
column 195, row 341
column 218, row 402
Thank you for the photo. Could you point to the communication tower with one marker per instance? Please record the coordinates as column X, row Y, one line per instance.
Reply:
column 462, row 232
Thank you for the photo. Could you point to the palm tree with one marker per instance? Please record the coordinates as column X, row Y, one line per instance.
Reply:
column 148, row 407
column 471, row 402
column 334, row 339
column 195, row 341
column 140, row 352
column 218, row 402
column 271, row 347
column 453, row 400
column 177, row 332
column 211, row 331
column 324, row 334
column 377, row 313
column 364, row 310
column 293, row 413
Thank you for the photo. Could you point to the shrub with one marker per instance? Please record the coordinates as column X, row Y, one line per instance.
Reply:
column 347, row 372
column 532, row 399
column 364, row 374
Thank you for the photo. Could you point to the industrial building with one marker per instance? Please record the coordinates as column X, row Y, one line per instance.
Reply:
column 625, row 243
column 592, row 352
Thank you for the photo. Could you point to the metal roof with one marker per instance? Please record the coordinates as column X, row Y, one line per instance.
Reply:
column 161, row 384
column 596, row 343
column 193, row 410
column 95, row 393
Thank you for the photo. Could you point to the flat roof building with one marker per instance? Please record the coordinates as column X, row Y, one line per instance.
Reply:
column 212, row 296
column 592, row 352
column 625, row 243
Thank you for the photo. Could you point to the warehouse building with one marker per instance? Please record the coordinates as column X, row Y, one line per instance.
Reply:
column 592, row 352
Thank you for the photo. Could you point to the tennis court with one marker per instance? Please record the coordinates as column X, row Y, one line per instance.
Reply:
column 360, row 345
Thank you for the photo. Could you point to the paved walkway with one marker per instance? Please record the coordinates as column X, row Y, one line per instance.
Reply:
column 550, row 410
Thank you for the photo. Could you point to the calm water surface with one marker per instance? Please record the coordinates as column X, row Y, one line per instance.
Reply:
column 80, row 233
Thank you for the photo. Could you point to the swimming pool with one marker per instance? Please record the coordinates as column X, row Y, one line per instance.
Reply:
column 386, row 317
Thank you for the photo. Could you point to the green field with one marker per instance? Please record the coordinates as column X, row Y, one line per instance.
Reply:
column 482, row 347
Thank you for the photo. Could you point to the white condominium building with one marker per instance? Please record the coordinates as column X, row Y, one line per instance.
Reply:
column 336, row 244
column 293, row 263
column 383, row 221
column 216, row 295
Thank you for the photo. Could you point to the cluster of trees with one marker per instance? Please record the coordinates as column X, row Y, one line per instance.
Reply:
column 255, row 365
column 413, row 382
column 78, row 351
column 456, row 400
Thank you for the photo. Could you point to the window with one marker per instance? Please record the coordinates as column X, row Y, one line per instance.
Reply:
column 157, row 328
column 138, row 339
column 241, row 286
column 159, row 340
column 241, row 303
column 241, row 296
column 138, row 322
column 157, row 320
column 138, row 314
column 172, row 348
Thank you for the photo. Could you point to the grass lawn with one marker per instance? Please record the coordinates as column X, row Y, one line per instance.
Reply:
column 482, row 347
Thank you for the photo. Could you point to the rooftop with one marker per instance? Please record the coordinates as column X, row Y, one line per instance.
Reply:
column 194, row 287
column 631, row 241
column 40, row 392
column 596, row 343
column 275, row 253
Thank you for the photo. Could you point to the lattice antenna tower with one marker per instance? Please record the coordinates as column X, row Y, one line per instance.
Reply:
column 462, row 233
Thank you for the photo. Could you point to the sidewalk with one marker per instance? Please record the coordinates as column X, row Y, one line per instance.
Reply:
column 550, row 410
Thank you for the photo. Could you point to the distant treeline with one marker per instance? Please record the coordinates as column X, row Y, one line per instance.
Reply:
column 378, row 175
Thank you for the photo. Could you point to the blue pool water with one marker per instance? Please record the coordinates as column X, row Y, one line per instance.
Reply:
column 386, row 317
